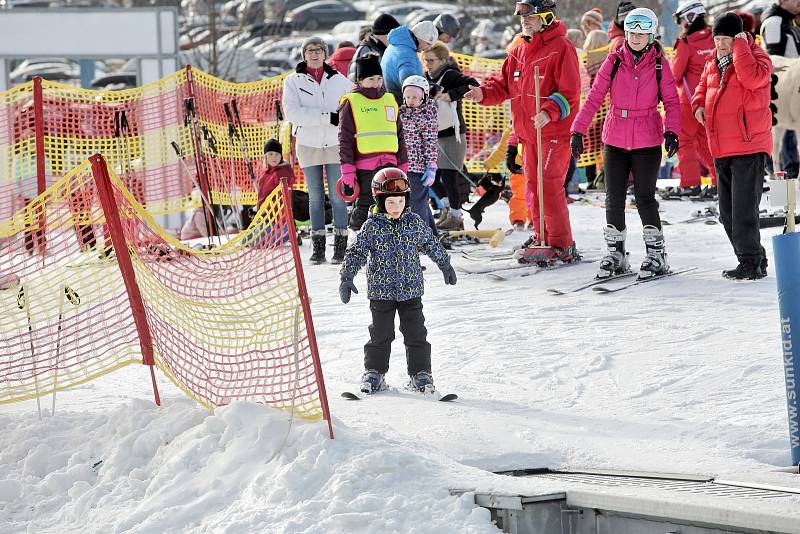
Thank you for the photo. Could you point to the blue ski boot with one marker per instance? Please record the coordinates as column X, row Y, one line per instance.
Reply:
column 422, row 382
column 372, row 381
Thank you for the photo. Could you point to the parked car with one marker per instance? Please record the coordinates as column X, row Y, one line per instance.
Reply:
column 322, row 14
column 401, row 11
column 349, row 30
column 57, row 69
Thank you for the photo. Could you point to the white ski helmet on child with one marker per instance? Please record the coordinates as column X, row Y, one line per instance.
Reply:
column 641, row 20
column 418, row 81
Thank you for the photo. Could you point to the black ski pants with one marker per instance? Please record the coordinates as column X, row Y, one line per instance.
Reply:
column 364, row 201
column 740, row 182
column 381, row 335
column 619, row 164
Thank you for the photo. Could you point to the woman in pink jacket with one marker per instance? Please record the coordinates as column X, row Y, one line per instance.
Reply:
column 638, row 76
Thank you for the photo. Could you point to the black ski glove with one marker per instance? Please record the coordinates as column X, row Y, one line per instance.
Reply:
column 511, row 160
column 576, row 144
column 346, row 287
column 670, row 143
column 449, row 273
column 335, row 118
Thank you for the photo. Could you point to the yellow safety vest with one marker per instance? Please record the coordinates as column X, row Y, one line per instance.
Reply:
column 376, row 122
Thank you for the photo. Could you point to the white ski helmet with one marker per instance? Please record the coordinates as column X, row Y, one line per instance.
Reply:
column 418, row 81
column 689, row 10
column 642, row 20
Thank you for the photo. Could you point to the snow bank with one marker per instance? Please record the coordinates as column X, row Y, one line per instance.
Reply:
column 243, row 468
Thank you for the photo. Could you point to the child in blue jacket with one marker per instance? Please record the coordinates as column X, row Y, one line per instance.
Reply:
column 391, row 240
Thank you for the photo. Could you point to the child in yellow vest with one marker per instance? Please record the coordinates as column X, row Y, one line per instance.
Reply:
column 370, row 135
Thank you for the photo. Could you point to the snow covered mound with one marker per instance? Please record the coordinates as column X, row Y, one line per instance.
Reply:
column 242, row 468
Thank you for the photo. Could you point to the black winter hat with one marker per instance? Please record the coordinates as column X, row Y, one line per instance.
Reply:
column 369, row 65
column 384, row 24
column 622, row 11
column 273, row 145
column 729, row 25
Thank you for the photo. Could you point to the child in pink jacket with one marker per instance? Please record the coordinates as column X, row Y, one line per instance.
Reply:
column 638, row 76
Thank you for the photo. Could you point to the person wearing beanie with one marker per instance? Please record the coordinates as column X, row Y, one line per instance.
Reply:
column 310, row 101
column 544, row 44
column 592, row 20
column 370, row 137
column 732, row 102
column 390, row 245
column 616, row 34
column 401, row 58
column 275, row 168
column 692, row 48
column 376, row 42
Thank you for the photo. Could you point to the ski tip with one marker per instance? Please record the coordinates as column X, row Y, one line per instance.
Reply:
column 554, row 291
column 448, row 398
column 350, row 396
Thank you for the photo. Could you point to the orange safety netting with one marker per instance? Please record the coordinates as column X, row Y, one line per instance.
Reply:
column 112, row 288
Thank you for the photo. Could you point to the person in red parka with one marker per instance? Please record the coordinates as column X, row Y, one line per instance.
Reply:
column 340, row 60
column 275, row 169
column 616, row 33
column 732, row 101
column 692, row 49
column 546, row 46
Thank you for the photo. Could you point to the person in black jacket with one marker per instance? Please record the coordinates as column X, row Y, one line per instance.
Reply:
column 451, row 86
column 376, row 42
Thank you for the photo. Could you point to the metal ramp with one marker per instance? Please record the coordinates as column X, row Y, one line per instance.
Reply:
column 618, row 502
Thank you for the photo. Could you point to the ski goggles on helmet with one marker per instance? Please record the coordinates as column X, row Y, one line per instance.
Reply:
column 638, row 22
column 392, row 185
column 524, row 9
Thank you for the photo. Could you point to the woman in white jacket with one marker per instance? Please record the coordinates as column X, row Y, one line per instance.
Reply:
column 310, row 101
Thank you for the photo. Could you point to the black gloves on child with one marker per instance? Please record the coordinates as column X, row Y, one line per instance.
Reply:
column 345, row 288
column 449, row 273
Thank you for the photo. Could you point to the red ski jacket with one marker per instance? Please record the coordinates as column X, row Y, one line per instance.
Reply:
column 737, row 115
column 271, row 178
column 691, row 54
column 560, row 83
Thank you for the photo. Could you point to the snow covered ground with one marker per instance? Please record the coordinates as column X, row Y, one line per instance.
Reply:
column 683, row 375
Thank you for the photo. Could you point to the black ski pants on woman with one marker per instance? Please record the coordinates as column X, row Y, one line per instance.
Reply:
column 740, row 182
column 618, row 165
column 381, row 335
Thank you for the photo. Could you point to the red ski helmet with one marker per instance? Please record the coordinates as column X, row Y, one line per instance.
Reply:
column 390, row 182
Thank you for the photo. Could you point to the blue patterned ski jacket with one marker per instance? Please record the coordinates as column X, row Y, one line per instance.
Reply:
column 392, row 248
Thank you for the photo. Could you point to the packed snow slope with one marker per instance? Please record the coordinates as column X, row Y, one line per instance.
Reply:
column 681, row 375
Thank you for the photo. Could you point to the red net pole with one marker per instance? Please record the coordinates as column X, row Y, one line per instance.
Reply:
column 114, row 225
column 41, row 179
column 304, row 301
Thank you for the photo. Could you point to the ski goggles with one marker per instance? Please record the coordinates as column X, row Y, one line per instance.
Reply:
column 638, row 22
column 527, row 10
column 392, row 185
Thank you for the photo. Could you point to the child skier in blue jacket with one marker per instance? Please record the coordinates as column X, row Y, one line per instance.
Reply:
column 391, row 240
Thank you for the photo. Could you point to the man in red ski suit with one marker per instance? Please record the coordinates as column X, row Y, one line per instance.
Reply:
column 692, row 49
column 545, row 46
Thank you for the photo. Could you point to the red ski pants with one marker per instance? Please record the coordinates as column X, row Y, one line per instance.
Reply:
column 693, row 149
column 555, row 161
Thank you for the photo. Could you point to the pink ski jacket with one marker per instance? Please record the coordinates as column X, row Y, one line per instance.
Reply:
column 633, row 120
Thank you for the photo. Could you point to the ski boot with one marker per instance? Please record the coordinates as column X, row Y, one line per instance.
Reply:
column 616, row 261
column 655, row 263
column 422, row 382
column 318, row 245
column 566, row 255
column 372, row 381
column 454, row 221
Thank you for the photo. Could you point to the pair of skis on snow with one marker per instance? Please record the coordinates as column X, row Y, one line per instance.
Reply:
column 449, row 397
column 611, row 284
